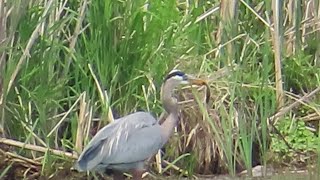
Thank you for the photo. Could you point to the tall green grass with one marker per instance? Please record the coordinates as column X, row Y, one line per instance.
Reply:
column 131, row 45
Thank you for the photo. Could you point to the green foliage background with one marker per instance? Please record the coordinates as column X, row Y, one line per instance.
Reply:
column 48, row 46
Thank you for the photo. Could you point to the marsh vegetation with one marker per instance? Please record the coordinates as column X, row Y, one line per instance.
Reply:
column 69, row 67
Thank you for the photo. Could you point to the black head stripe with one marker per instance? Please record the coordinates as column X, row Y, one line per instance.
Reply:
column 175, row 73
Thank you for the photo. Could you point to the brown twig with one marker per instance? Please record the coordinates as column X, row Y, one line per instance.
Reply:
column 207, row 13
column 273, row 119
column 37, row 148
column 81, row 123
column 277, row 44
column 16, row 156
column 311, row 117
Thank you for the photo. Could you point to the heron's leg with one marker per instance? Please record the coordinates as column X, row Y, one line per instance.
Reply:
column 137, row 174
column 118, row 175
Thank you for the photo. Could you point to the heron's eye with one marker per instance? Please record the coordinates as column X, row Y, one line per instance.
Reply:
column 178, row 77
column 185, row 77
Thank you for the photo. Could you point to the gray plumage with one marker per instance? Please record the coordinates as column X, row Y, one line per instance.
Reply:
column 126, row 143
column 116, row 144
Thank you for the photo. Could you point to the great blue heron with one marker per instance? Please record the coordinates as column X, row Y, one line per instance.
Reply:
column 125, row 144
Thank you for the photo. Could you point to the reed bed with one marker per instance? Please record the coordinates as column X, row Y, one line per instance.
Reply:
column 67, row 68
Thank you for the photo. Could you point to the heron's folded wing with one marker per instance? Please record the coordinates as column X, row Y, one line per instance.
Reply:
column 140, row 145
column 107, row 142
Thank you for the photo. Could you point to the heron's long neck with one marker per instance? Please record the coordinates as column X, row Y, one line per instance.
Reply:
column 170, row 105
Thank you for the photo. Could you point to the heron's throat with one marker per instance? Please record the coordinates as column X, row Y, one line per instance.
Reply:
column 169, row 102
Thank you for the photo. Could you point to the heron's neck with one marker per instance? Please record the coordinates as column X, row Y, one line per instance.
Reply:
column 171, row 106
column 169, row 103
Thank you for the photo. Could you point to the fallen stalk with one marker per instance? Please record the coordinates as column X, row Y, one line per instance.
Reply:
column 285, row 110
column 21, row 158
column 31, row 147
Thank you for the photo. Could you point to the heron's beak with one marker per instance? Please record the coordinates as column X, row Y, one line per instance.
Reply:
column 200, row 82
column 196, row 81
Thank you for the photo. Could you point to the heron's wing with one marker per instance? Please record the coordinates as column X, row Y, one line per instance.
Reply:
column 139, row 146
column 109, row 141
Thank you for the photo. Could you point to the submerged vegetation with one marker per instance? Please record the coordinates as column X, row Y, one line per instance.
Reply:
column 69, row 67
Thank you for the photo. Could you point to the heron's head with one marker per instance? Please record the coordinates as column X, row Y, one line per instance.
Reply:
column 173, row 79
column 176, row 77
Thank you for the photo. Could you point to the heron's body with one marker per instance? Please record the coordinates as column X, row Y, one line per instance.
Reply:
column 130, row 153
column 125, row 144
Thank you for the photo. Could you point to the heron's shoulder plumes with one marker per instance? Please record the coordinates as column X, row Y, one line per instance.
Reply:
column 175, row 74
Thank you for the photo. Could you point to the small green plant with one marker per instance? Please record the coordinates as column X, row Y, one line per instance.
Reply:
column 298, row 136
